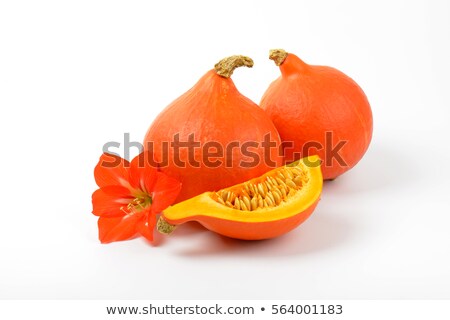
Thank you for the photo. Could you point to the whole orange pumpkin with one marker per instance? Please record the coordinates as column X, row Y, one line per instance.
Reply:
column 318, row 110
column 212, row 136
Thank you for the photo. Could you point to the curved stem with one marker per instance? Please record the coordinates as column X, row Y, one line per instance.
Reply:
column 164, row 227
column 278, row 56
column 225, row 67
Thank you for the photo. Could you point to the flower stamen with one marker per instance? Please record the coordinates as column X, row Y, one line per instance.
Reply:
column 136, row 205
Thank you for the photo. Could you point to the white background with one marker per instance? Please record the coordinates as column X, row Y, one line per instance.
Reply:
column 76, row 74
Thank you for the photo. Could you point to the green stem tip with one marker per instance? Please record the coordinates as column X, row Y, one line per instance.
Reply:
column 164, row 227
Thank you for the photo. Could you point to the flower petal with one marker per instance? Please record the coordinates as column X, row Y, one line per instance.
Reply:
column 111, row 170
column 146, row 225
column 118, row 228
column 165, row 192
column 107, row 201
column 142, row 175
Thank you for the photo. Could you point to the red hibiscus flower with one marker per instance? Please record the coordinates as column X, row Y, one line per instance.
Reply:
column 129, row 197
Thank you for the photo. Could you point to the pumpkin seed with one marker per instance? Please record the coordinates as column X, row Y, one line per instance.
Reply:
column 298, row 180
column 269, row 202
column 261, row 189
column 288, row 174
column 260, row 202
column 220, row 200
column 281, row 183
column 291, row 184
column 254, row 203
column 277, row 198
column 225, row 195
column 243, row 206
column 237, row 204
column 247, row 202
column 269, row 195
column 283, row 192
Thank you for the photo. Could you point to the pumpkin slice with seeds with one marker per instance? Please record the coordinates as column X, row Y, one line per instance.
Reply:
column 262, row 208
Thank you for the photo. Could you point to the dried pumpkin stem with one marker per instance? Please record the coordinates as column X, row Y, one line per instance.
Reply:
column 164, row 227
column 278, row 56
column 225, row 67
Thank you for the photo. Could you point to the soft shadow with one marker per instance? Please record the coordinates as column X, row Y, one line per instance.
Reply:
column 321, row 232
column 188, row 229
column 382, row 167
column 185, row 230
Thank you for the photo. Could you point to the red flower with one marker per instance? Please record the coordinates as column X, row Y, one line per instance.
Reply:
column 130, row 197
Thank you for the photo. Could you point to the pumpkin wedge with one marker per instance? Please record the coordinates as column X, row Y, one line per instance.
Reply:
column 261, row 208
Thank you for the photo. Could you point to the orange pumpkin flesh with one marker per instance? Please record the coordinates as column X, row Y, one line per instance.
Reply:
column 213, row 111
column 276, row 202
column 308, row 101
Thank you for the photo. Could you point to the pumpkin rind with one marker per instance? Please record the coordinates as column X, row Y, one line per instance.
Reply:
column 308, row 101
column 213, row 111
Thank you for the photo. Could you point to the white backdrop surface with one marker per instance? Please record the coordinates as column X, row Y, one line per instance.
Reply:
column 76, row 74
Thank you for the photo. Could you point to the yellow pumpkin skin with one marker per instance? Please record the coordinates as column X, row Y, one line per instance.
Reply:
column 262, row 223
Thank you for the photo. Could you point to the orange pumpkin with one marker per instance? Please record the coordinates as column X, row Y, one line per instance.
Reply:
column 318, row 110
column 262, row 208
column 225, row 135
